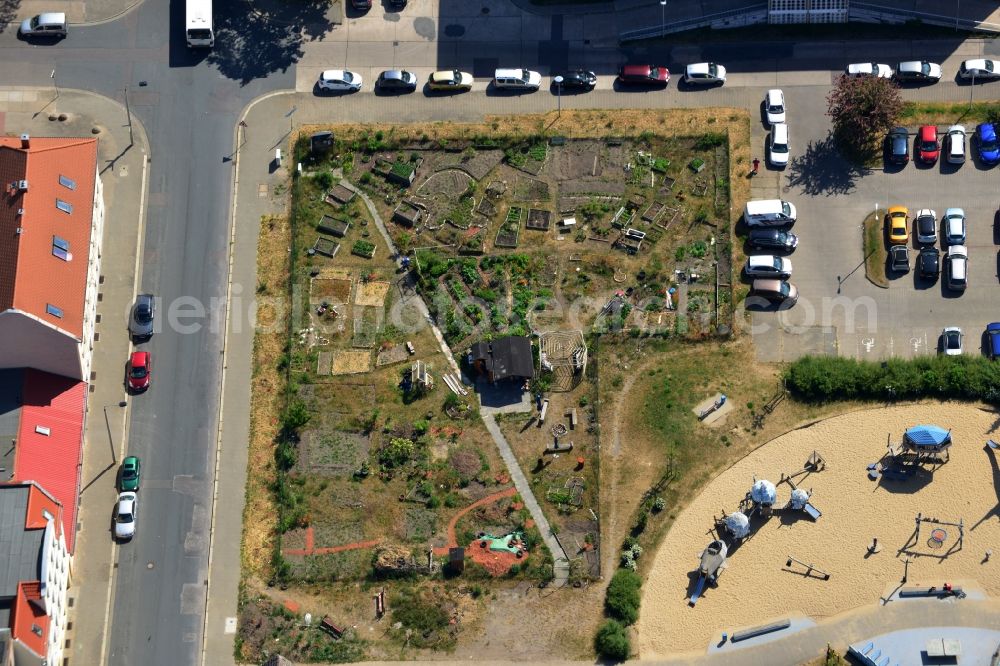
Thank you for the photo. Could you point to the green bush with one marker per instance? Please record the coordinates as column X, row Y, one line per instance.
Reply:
column 294, row 417
column 816, row 378
column 612, row 641
column 324, row 179
column 710, row 140
column 622, row 598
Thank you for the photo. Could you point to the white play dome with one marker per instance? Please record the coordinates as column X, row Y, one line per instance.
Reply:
column 763, row 492
column 738, row 525
column 799, row 498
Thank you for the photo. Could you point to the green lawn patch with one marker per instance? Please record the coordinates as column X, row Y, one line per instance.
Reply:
column 875, row 252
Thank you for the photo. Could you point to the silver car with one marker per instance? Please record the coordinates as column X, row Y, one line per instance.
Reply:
column 140, row 320
column 49, row 24
column 768, row 266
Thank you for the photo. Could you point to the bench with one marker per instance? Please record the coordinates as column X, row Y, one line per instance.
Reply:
column 572, row 418
column 328, row 626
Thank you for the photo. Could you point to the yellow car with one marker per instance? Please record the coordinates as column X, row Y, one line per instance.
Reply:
column 899, row 225
column 450, row 80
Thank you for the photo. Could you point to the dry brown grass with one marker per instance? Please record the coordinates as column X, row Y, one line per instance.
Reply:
column 267, row 402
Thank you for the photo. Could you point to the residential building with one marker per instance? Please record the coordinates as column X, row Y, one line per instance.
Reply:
column 51, row 226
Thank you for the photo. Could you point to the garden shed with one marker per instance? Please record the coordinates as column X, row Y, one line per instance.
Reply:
column 503, row 358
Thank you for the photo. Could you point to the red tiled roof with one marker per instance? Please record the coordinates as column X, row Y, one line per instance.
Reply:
column 31, row 277
column 38, row 502
column 26, row 615
column 53, row 460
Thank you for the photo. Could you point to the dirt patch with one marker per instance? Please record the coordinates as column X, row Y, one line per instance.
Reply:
column 393, row 354
column 332, row 453
column 371, row 293
column 573, row 161
column 331, row 290
column 450, row 183
column 530, row 189
column 350, row 361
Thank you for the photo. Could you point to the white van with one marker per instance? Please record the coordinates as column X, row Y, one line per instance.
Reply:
column 517, row 79
column 956, row 144
column 49, row 24
column 198, row 24
column 769, row 213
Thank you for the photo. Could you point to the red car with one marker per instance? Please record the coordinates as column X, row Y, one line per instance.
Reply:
column 644, row 75
column 140, row 370
column 928, row 149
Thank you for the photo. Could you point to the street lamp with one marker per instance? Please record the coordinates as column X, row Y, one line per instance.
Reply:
column 558, row 81
column 663, row 17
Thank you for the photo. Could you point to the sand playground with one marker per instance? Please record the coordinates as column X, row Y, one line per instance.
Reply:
column 757, row 587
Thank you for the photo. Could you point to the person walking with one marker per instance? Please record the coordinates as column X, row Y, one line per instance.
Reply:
column 756, row 166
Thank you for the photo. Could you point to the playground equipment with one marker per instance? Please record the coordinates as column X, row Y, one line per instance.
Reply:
column 712, row 562
column 800, row 502
column 763, row 495
column 738, row 525
column 921, row 444
column 809, row 568
column 715, row 406
column 937, row 537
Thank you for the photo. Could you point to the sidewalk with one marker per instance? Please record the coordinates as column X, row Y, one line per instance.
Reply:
column 77, row 11
column 123, row 171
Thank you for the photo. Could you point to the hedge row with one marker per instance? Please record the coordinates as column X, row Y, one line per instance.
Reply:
column 819, row 378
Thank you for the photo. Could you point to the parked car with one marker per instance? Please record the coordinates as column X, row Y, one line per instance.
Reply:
column 953, row 226
column 774, row 106
column 898, row 219
column 956, row 144
column 48, row 24
column 339, row 80
column 899, row 259
column 125, row 515
column 396, row 80
column 361, row 4
column 129, row 477
column 928, row 149
column 957, row 263
column 929, row 263
column 140, row 320
column 768, row 266
column 140, row 370
column 986, row 139
column 704, row 73
column 869, row 69
column 918, row 71
column 898, row 145
column 951, row 341
column 925, row 225
column 644, row 75
column 772, row 239
column 777, row 147
column 579, row 79
column 397, row 4
column 450, row 80
column 516, row 79
column 979, row 68
column 776, row 291
column 993, row 340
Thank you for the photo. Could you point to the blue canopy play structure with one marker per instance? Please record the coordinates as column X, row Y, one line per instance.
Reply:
column 927, row 437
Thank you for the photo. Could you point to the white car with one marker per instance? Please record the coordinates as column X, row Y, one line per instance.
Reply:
column 979, row 68
column 870, row 69
column 951, row 341
column 125, row 515
column 339, row 79
column 955, row 152
column 953, row 226
column 705, row 73
column 777, row 147
column 774, row 106
column 918, row 71
column 768, row 266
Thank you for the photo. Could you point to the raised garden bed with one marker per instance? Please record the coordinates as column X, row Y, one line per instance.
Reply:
column 325, row 246
column 407, row 214
column 538, row 219
column 653, row 212
column 696, row 165
column 623, row 218
column 511, row 228
column 401, row 173
column 486, row 208
column 339, row 195
column 333, row 226
column 363, row 248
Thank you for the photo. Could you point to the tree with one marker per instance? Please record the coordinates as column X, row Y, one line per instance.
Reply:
column 612, row 641
column 622, row 598
column 863, row 109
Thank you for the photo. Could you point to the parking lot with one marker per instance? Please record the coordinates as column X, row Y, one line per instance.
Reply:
column 839, row 311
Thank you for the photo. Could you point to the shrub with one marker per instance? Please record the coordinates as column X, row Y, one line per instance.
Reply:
column 396, row 453
column 294, row 417
column 622, row 598
column 946, row 377
column 612, row 641
column 710, row 140
column 324, row 179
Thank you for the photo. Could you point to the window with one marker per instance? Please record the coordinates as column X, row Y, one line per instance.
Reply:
column 60, row 248
column 67, row 182
column 64, row 206
column 53, row 310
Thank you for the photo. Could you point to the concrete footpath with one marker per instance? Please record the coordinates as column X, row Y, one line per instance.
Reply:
column 87, row 12
column 122, row 165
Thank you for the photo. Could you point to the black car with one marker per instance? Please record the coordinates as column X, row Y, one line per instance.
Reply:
column 898, row 145
column 772, row 239
column 361, row 4
column 396, row 80
column 899, row 259
column 929, row 263
column 579, row 79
